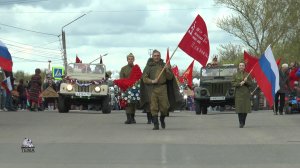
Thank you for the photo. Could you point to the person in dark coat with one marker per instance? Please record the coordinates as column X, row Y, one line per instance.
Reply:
column 242, row 83
column 35, row 89
column 154, row 90
column 21, row 88
column 284, row 88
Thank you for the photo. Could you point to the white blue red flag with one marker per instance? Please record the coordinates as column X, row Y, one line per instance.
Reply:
column 5, row 58
column 267, row 75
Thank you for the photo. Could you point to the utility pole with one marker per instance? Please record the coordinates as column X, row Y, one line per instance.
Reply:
column 64, row 50
column 63, row 36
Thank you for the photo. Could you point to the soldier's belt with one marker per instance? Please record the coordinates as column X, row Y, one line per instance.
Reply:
column 159, row 84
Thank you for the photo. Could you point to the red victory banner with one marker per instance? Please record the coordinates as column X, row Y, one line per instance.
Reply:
column 250, row 61
column 188, row 75
column 195, row 42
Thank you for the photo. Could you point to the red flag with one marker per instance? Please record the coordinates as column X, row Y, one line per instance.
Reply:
column 168, row 57
column 278, row 61
column 78, row 60
column 250, row 61
column 134, row 76
column 195, row 42
column 188, row 74
column 175, row 71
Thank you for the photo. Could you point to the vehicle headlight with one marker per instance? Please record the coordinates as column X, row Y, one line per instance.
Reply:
column 97, row 89
column 69, row 87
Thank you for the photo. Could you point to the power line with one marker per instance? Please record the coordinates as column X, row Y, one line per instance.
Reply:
column 32, row 31
column 20, row 2
column 33, row 49
column 115, row 11
column 32, row 60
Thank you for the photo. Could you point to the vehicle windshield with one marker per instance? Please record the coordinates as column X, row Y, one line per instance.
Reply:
column 86, row 71
column 218, row 71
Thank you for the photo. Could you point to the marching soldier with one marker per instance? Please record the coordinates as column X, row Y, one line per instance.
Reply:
column 156, row 89
column 125, row 73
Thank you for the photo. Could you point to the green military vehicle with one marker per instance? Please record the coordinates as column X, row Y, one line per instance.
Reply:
column 84, row 84
column 215, row 88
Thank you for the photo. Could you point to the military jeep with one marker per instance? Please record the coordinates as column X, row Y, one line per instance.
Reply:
column 215, row 88
column 84, row 84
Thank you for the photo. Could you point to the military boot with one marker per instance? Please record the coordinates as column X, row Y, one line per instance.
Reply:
column 162, row 121
column 155, row 123
column 132, row 119
column 128, row 121
column 149, row 118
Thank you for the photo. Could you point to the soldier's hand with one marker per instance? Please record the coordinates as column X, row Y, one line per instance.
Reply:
column 154, row 81
column 242, row 83
column 168, row 66
column 245, row 79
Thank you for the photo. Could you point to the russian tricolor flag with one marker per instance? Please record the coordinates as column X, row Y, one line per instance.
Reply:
column 5, row 58
column 267, row 75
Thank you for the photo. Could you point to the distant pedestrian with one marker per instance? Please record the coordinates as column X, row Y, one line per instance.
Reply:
column 283, row 90
column 21, row 88
column 242, row 83
column 35, row 89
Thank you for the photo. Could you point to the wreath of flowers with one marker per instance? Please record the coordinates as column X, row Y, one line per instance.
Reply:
column 131, row 95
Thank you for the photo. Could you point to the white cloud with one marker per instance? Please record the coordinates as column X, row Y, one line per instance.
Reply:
column 116, row 27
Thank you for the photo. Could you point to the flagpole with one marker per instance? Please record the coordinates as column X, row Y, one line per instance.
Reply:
column 254, row 90
column 167, row 63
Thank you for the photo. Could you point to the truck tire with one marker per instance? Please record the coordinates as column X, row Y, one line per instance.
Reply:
column 63, row 106
column 105, row 105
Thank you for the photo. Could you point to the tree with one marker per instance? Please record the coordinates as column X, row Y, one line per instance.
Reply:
column 258, row 23
column 230, row 54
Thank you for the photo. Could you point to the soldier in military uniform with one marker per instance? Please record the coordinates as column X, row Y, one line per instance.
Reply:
column 125, row 73
column 158, row 94
column 242, row 83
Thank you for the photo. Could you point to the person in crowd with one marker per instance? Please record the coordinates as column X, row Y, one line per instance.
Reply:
column 292, row 73
column 242, row 83
column 21, row 89
column 2, row 97
column 214, row 62
column 283, row 90
column 157, row 92
column 125, row 73
column 35, row 89
column 49, row 102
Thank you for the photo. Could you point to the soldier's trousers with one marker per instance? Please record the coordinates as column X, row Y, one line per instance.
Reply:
column 130, row 109
column 159, row 100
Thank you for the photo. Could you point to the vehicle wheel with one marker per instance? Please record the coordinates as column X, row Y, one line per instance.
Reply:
column 105, row 105
column 197, row 107
column 63, row 106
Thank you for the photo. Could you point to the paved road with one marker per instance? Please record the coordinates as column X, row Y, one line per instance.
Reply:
column 91, row 140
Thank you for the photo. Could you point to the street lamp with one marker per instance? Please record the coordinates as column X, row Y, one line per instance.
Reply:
column 64, row 39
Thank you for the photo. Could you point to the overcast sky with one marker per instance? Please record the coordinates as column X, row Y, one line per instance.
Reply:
column 116, row 27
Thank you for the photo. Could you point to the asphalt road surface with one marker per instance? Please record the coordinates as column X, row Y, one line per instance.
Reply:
column 90, row 139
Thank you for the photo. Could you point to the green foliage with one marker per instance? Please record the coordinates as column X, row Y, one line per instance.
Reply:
column 258, row 23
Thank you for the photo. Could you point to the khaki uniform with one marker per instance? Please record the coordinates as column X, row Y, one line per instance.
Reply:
column 242, row 93
column 125, row 73
column 159, row 95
